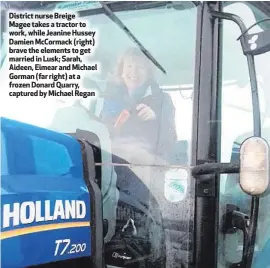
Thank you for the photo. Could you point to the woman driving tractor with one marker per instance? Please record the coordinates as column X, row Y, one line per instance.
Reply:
column 135, row 108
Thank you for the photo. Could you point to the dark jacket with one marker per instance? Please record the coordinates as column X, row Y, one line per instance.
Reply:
column 157, row 136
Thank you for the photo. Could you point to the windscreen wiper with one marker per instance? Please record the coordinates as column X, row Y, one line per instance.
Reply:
column 121, row 25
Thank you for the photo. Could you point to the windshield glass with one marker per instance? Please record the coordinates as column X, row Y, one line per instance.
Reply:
column 142, row 118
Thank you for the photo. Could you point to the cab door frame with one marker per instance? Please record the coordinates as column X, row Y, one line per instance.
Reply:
column 205, row 136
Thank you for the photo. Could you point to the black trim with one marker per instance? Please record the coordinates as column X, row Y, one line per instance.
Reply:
column 94, row 141
column 205, row 137
column 196, row 95
column 215, row 168
column 97, row 244
column 248, row 251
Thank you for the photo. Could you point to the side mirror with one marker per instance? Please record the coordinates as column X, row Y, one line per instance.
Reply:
column 253, row 169
column 254, row 166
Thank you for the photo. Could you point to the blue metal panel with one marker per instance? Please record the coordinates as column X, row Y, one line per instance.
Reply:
column 45, row 203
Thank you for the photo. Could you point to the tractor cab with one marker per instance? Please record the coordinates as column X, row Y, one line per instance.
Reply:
column 178, row 128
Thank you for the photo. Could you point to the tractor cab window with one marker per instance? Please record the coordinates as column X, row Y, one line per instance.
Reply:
column 237, row 125
column 142, row 100
column 142, row 116
column 145, row 106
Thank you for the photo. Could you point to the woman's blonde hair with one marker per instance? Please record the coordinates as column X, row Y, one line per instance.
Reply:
column 116, row 76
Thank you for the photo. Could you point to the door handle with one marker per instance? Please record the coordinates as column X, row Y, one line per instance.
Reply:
column 232, row 221
column 215, row 168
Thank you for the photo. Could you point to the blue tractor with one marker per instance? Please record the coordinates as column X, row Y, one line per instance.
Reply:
column 51, row 204
column 71, row 196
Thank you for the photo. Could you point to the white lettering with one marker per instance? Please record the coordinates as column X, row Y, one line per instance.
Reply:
column 41, row 211
column 38, row 212
column 70, row 209
column 27, row 212
column 59, row 210
column 8, row 214
column 48, row 216
column 80, row 209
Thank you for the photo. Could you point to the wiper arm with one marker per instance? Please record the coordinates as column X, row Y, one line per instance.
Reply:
column 119, row 23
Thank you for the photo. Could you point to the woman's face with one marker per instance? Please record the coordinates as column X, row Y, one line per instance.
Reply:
column 135, row 72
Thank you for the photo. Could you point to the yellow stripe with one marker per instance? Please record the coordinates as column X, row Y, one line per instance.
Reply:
column 42, row 228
